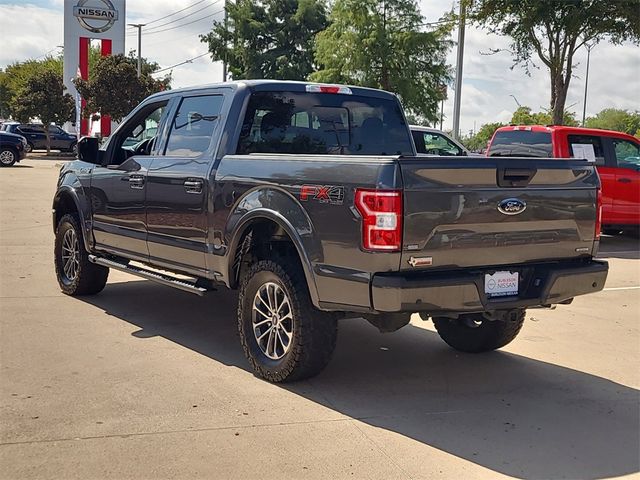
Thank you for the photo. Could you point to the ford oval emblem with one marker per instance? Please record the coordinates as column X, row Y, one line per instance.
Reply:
column 512, row 206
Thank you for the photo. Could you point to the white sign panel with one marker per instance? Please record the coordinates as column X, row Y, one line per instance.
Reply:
column 99, row 19
column 583, row 150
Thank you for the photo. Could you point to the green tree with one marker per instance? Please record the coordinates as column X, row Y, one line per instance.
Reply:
column 479, row 141
column 524, row 116
column 15, row 77
column 553, row 31
column 42, row 95
column 114, row 88
column 268, row 38
column 616, row 119
column 381, row 44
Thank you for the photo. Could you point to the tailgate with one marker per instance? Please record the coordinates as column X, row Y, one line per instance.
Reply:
column 467, row 212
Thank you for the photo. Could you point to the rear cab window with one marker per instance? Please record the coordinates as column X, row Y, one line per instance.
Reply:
column 322, row 123
column 521, row 143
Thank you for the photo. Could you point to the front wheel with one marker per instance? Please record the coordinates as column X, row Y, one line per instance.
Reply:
column 75, row 273
column 28, row 148
column 473, row 333
column 284, row 337
column 7, row 157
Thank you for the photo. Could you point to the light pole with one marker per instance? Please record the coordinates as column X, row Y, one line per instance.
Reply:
column 226, row 33
column 139, row 27
column 586, row 83
column 516, row 100
column 460, row 57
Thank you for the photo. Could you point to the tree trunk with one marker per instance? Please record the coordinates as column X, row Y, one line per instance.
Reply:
column 559, row 89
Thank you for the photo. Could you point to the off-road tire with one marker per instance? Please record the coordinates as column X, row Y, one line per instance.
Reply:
column 90, row 278
column 314, row 332
column 487, row 336
column 9, row 157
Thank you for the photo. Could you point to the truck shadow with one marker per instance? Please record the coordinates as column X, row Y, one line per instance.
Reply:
column 511, row 414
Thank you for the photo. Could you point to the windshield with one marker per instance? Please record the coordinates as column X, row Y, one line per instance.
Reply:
column 318, row 123
column 521, row 143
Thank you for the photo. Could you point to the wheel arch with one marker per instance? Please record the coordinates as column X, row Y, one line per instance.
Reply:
column 66, row 201
column 266, row 213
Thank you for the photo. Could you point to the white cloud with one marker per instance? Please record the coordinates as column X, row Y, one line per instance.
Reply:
column 488, row 80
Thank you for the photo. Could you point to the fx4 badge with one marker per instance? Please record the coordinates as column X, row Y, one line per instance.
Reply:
column 333, row 194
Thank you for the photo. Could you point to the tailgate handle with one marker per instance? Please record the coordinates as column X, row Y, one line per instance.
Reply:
column 515, row 177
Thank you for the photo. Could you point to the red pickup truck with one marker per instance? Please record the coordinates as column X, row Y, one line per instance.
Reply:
column 616, row 155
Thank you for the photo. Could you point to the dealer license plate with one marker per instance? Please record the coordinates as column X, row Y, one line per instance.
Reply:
column 501, row 284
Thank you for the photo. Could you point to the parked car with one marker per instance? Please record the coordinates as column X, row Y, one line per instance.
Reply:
column 37, row 140
column 615, row 154
column 431, row 141
column 310, row 200
column 12, row 148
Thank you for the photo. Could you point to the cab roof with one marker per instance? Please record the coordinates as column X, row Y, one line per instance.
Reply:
column 275, row 86
column 562, row 128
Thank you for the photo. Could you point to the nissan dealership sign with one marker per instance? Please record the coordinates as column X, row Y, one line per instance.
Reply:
column 96, row 19
column 84, row 21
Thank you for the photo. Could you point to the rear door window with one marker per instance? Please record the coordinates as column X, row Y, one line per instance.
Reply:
column 193, row 126
column 580, row 146
column 317, row 123
column 521, row 143
column 627, row 153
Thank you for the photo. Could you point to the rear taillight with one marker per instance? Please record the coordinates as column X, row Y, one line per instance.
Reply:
column 381, row 212
column 598, row 213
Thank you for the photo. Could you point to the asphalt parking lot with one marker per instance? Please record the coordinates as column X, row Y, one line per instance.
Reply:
column 143, row 381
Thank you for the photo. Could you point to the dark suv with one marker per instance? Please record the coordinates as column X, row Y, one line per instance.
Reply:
column 12, row 148
column 36, row 139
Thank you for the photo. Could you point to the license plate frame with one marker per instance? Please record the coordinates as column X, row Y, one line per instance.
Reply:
column 502, row 283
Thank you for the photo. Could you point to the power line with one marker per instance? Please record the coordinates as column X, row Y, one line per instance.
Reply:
column 183, row 17
column 175, row 39
column 185, row 24
column 190, row 60
column 177, row 11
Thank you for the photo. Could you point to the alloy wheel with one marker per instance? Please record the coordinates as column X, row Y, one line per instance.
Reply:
column 272, row 320
column 7, row 157
column 70, row 256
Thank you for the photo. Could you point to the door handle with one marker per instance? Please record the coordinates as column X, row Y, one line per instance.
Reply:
column 624, row 180
column 136, row 182
column 193, row 186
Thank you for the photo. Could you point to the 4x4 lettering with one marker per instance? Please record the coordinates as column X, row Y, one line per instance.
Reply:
column 333, row 194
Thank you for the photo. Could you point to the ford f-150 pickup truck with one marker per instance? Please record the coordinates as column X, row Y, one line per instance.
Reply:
column 311, row 201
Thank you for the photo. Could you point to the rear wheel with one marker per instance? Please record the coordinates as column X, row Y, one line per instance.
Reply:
column 283, row 336
column 28, row 148
column 75, row 273
column 8, row 157
column 473, row 333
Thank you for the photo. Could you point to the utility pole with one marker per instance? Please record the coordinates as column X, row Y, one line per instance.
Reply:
column 139, row 27
column 586, row 84
column 460, row 57
column 226, row 33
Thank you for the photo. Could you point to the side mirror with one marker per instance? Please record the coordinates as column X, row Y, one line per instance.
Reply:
column 88, row 150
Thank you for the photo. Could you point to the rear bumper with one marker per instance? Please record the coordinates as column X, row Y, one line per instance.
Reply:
column 463, row 291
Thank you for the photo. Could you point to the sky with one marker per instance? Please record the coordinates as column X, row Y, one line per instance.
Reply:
column 488, row 85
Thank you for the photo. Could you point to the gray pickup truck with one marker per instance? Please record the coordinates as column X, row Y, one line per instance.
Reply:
column 311, row 201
